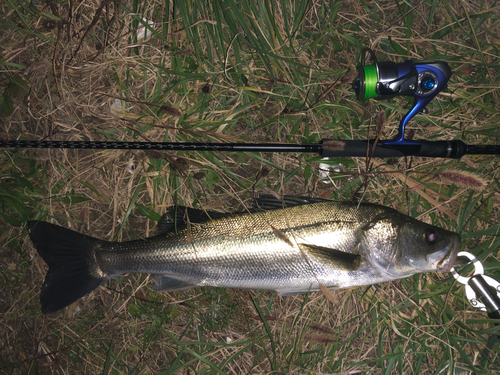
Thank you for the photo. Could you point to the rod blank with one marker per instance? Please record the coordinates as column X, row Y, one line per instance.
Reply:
column 165, row 146
column 327, row 148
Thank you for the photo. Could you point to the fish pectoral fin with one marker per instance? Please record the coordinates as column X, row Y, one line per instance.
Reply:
column 164, row 283
column 339, row 259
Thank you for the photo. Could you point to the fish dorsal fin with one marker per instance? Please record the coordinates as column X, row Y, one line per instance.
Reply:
column 178, row 217
column 269, row 202
column 166, row 224
column 338, row 259
column 164, row 283
column 195, row 216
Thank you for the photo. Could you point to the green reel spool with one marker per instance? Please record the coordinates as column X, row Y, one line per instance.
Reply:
column 368, row 75
column 371, row 79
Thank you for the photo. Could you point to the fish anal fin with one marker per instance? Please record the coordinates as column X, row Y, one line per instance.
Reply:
column 291, row 292
column 165, row 283
column 337, row 258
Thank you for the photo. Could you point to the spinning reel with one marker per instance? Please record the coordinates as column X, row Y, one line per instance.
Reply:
column 382, row 80
column 385, row 80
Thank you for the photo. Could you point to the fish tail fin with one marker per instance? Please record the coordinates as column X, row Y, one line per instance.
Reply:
column 73, row 271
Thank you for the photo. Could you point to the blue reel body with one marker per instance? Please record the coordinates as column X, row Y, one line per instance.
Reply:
column 387, row 80
column 432, row 78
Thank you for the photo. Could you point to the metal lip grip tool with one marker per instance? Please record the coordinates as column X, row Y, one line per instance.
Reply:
column 386, row 80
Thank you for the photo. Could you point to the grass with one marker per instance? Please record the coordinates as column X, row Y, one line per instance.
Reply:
column 238, row 71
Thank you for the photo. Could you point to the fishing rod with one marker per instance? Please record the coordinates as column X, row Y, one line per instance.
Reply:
column 379, row 81
column 327, row 148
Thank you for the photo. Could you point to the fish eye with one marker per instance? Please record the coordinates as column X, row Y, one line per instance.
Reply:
column 430, row 237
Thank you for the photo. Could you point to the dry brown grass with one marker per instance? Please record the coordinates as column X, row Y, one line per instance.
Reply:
column 74, row 71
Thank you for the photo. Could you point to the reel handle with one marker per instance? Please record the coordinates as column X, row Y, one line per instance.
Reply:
column 431, row 79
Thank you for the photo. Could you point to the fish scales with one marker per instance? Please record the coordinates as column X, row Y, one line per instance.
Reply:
column 289, row 250
column 245, row 248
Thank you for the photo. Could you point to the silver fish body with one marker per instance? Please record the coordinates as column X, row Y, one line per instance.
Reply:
column 289, row 250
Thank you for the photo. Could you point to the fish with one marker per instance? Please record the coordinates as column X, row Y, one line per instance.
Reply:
column 291, row 246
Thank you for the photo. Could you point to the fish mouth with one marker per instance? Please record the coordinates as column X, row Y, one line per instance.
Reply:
column 447, row 262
